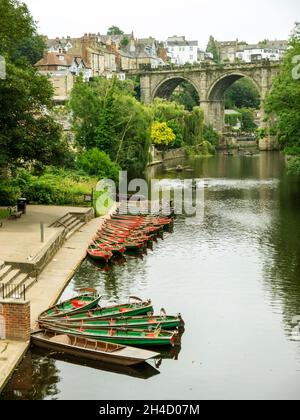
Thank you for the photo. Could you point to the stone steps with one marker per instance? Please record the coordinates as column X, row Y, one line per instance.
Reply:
column 71, row 222
column 75, row 229
column 12, row 279
column 4, row 271
column 22, row 280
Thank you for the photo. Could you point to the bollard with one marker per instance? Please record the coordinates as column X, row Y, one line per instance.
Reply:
column 42, row 232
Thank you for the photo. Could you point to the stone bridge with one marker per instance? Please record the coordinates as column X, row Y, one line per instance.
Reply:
column 211, row 83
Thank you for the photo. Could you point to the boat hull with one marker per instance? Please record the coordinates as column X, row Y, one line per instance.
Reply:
column 67, row 307
column 114, row 312
column 143, row 323
column 118, row 357
column 124, row 337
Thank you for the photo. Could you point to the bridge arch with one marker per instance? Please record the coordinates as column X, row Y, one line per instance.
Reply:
column 166, row 87
column 219, row 87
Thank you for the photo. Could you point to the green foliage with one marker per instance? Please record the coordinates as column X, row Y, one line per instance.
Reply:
column 28, row 133
column 115, row 30
column 31, row 50
column 242, row 94
column 98, row 164
column 294, row 165
column 107, row 116
column 54, row 186
column 210, row 135
column 233, row 119
column 248, row 123
column 186, row 96
column 212, row 48
column 283, row 102
column 9, row 194
column 193, row 130
column 125, row 41
column 4, row 213
column 19, row 40
column 162, row 135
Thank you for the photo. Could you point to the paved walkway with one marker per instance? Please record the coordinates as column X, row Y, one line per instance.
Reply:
column 47, row 290
column 20, row 239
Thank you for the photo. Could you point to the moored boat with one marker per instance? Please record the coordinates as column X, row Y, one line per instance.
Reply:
column 84, row 302
column 99, row 255
column 140, row 322
column 127, row 337
column 136, row 308
column 91, row 349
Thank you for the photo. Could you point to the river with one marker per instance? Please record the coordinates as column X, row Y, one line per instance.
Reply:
column 236, row 281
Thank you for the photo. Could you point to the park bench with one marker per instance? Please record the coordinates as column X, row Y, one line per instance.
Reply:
column 14, row 213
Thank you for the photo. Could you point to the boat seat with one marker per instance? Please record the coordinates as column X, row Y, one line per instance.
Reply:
column 61, row 339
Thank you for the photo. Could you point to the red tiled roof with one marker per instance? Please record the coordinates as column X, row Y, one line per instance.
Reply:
column 53, row 59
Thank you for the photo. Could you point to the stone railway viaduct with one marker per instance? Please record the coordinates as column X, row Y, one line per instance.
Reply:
column 210, row 82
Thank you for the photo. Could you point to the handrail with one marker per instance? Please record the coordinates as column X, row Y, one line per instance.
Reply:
column 13, row 291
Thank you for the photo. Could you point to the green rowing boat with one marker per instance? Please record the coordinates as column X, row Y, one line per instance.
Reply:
column 140, row 322
column 126, row 337
column 72, row 306
column 130, row 309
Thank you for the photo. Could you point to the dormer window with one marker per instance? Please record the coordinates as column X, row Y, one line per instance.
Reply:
column 61, row 58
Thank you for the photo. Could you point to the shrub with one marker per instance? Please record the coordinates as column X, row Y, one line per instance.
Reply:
column 98, row 164
column 210, row 135
column 9, row 194
column 162, row 135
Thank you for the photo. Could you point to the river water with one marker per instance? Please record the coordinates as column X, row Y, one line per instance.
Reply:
column 236, row 281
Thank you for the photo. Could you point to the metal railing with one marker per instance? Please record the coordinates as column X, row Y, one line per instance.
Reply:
column 13, row 291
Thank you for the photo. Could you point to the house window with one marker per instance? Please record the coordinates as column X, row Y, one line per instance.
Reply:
column 191, row 57
column 61, row 58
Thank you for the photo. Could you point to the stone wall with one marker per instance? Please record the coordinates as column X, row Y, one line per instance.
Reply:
column 14, row 320
column 269, row 144
column 158, row 157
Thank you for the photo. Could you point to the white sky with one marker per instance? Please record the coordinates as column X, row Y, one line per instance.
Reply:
column 251, row 21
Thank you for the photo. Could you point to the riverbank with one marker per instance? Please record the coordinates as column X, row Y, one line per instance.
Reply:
column 47, row 290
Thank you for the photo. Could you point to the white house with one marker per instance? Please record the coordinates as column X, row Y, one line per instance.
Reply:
column 181, row 51
column 256, row 53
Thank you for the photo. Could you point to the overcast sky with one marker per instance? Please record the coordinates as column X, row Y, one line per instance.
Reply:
column 251, row 21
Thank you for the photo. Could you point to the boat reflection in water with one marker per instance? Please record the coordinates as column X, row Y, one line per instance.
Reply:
column 143, row 371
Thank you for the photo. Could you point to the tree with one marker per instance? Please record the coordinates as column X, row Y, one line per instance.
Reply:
column 283, row 103
column 125, row 41
column 107, row 116
column 115, row 30
column 212, row 47
column 242, row 94
column 162, row 135
column 28, row 134
column 18, row 33
column 98, row 164
column 248, row 123
column 186, row 95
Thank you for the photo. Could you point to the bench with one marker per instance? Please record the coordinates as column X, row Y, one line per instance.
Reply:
column 14, row 213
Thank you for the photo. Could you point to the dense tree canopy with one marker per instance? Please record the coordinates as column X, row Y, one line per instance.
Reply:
column 108, row 117
column 242, row 94
column 18, row 34
column 186, row 95
column 115, row 30
column 28, row 133
column 283, row 104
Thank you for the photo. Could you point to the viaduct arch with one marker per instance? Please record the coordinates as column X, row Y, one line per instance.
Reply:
column 210, row 82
